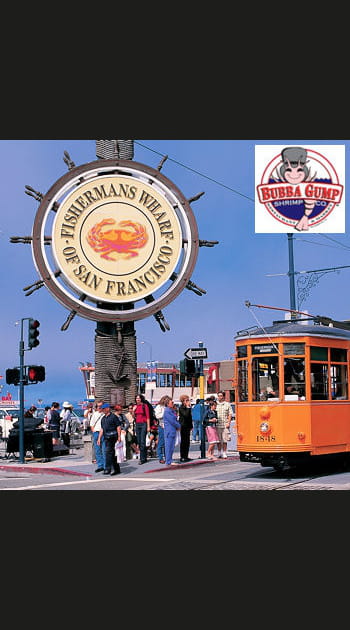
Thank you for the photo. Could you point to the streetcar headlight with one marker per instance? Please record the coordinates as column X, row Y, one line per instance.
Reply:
column 264, row 427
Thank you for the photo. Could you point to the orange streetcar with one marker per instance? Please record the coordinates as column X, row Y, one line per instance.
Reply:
column 292, row 394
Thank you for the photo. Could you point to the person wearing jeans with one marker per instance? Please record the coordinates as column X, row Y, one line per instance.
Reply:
column 171, row 425
column 197, row 421
column 142, row 425
column 159, row 413
column 100, row 448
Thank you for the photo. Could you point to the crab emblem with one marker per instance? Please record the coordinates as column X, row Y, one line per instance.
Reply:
column 122, row 241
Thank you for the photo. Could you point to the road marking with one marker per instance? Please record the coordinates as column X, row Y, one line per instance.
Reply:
column 70, row 483
column 148, row 480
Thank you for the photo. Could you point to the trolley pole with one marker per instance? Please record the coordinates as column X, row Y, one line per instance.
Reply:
column 201, row 402
column 291, row 274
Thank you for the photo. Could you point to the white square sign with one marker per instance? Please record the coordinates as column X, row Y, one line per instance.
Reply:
column 299, row 188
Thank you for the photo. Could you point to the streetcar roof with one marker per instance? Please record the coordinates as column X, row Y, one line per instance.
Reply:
column 289, row 328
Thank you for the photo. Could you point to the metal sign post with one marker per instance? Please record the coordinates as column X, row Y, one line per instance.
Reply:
column 21, row 395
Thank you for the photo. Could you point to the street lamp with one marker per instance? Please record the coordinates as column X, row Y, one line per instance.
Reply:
column 150, row 350
column 150, row 378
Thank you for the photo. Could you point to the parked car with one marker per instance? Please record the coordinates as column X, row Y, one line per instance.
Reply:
column 78, row 413
column 40, row 413
column 8, row 415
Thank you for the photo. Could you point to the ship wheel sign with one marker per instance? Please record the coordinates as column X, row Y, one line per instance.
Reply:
column 115, row 240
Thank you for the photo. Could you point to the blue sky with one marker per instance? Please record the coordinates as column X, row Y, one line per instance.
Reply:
column 235, row 270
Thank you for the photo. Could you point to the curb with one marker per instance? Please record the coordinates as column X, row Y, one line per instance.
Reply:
column 48, row 471
column 64, row 471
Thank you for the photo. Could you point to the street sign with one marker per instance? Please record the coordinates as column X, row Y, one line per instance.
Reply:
column 196, row 353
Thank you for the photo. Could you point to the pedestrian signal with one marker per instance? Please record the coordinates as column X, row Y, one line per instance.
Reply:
column 35, row 373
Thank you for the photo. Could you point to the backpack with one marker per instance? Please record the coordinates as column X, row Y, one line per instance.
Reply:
column 153, row 420
column 124, row 422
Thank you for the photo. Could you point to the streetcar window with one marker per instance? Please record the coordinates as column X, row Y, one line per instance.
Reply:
column 243, row 381
column 339, row 382
column 338, row 354
column 319, row 380
column 242, row 351
column 265, row 379
column 294, row 378
column 318, row 354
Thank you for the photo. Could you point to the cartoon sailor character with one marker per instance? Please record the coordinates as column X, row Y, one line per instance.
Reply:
column 295, row 171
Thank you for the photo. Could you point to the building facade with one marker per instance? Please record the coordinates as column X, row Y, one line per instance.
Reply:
column 158, row 379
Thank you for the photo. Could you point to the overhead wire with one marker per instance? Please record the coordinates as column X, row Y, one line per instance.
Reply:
column 237, row 192
column 265, row 331
column 197, row 172
column 334, row 241
column 318, row 243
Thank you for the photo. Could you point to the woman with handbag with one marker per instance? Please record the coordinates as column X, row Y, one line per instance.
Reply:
column 210, row 423
column 132, row 449
column 129, row 435
column 124, row 426
column 185, row 419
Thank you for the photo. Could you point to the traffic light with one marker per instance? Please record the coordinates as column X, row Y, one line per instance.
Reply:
column 12, row 376
column 188, row 367
column 33, row 333
column 35, row 373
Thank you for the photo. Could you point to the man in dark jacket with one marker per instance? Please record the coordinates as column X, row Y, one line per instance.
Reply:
column 54, row 422
column 110, row 430
column 185, row 419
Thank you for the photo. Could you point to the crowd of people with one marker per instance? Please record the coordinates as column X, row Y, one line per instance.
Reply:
column 143, row 431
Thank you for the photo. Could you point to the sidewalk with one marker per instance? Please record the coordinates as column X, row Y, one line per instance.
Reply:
column 78, row 463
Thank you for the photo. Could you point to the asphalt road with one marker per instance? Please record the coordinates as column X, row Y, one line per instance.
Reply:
column 203, row 475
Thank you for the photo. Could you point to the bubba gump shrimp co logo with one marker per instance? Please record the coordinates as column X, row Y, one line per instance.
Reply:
column 116, row 239
column 299, row 188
